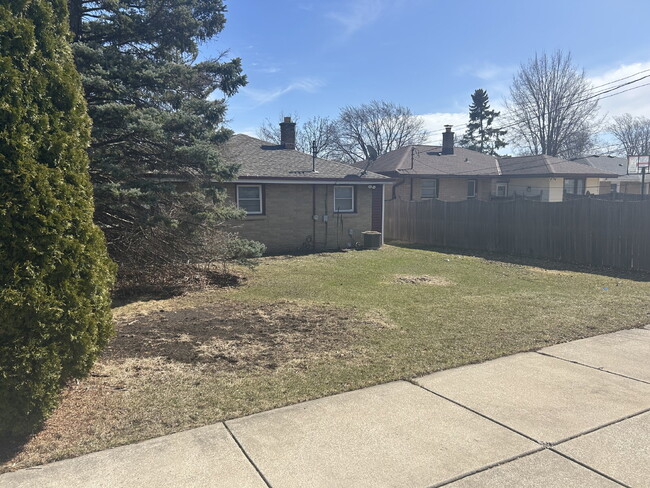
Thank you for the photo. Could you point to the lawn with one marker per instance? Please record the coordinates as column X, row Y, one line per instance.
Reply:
column 309, row 326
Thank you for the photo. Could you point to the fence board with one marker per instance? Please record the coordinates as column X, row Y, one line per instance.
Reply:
column 588, row 231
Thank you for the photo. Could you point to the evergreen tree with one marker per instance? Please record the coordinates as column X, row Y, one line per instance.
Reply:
column 55, row 275
column 156, row 122
column 480, row 135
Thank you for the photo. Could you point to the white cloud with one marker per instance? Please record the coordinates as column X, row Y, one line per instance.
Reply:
column 435, row 123
column 357, row 14
column 249, row 131
column 487, row 71
column 635, row 101
column 269, row 70
column 262, row 96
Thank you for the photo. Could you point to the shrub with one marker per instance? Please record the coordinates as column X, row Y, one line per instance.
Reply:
column 55, row 275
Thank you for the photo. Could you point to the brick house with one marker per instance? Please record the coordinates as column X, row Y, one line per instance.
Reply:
column 296, row 202
column 453, row 174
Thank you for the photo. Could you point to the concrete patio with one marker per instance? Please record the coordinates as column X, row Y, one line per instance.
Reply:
column 575, row 414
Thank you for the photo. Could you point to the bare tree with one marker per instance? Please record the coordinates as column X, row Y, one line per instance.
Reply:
column 269, row 131
column 551, row 107
column 581, row 142
column 383, row 125
column 633, row 133
column 320, row 130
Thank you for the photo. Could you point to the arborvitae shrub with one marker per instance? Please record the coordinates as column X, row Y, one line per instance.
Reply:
column 55, row 275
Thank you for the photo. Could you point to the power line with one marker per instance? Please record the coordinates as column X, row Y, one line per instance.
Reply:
column 621, row 79
column 598, row 94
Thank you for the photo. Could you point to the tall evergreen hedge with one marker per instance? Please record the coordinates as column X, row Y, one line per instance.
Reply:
column 55, row 274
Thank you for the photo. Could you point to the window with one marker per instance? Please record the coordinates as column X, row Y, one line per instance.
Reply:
column 249, row 198
column 613, row 187
column 574, row 186
column 568, row 185
column 429, row 189
column 343, row 199
column 471, row 188
column 502, row 189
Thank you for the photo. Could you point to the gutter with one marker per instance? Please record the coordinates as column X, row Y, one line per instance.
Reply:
column 311, row 181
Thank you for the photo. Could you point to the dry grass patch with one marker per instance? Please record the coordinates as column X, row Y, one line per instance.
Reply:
column 228, row 336
column 169, row 364
column 309, row 326
column 422, row 280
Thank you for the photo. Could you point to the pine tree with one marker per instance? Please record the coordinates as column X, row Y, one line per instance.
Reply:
column 157, row 119
column 480, row 135
column 55, row 275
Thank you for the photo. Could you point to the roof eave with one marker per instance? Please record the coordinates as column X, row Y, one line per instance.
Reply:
column 324, row 178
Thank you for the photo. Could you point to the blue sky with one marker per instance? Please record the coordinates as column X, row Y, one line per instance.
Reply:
column 313, row 57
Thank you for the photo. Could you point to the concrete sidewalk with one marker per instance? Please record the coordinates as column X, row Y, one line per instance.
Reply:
column 575, row 414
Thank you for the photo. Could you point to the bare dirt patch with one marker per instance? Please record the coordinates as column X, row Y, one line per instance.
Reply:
column 167, row 349
column 229, row 336
column 422, row 280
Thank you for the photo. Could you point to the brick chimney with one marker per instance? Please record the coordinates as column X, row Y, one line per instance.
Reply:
column 447, row 141
column 288, row 134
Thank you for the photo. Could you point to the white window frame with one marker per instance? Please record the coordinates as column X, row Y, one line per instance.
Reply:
column 345, row 210
column 473, row 195
column 260, row 199
column 435, row 188
column 504, row 185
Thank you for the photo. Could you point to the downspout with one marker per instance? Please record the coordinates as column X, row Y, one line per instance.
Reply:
column 395, row 186
column 313, row 216
column 326, row 216
column 383, row 207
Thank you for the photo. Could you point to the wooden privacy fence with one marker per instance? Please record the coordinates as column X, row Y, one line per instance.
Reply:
column 584, row 231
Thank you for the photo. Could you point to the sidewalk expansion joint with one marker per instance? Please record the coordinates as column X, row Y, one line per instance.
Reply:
column 592, row 367
column 488, row 467
column 543, row 444
column 250, row 460
column 586, row 466
column 595, row 429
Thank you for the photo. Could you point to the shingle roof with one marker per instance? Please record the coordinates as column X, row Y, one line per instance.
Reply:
column 428, row 160
column 260, row 159
column 543, row 165
column 608, row 163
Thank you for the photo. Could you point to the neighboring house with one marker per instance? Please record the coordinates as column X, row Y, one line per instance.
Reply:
column 628, row 182
column 549, row 178
column 290, row 207
column 453, row 174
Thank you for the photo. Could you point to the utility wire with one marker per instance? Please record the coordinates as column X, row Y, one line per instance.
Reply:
column 597, row 95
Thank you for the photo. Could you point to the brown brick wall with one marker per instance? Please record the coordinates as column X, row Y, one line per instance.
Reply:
column 449, row 189
column 287, row 225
